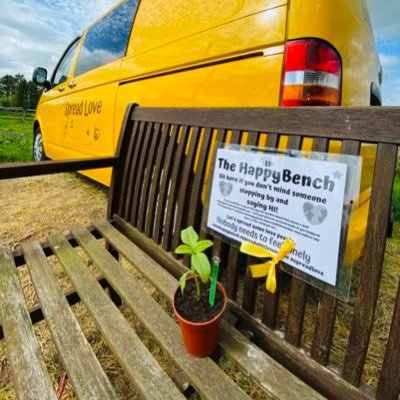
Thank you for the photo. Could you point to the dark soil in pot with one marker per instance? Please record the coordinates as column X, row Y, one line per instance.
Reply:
column 193, row 309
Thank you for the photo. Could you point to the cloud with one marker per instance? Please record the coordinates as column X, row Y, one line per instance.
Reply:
column 385, row 18
column 36, row 32
column 391, row 81
column 389, row 61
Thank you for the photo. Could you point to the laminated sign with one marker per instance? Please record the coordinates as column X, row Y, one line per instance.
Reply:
column 264, row 197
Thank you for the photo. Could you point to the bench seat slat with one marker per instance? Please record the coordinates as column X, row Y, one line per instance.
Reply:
column 275, row 380
column 120, row 337
column 31, row 380
column 84, row 370
column 204, row 374
column 267, row 373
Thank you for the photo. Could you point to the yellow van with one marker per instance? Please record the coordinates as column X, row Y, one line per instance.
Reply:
column 237, row 53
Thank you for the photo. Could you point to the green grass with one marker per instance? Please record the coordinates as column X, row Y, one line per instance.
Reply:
column 15, row 138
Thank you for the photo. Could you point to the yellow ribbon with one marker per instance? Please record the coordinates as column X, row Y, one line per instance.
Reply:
column 269, row 267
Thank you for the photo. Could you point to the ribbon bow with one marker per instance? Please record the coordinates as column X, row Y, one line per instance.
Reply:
column 268, row 267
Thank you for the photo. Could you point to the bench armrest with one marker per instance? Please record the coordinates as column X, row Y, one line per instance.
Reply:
column 18, row 170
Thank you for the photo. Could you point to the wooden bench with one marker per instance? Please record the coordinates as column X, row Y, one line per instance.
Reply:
column 157, row 184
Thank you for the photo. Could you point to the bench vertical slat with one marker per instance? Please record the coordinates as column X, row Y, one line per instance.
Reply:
column 298, row 290
column 326, row 311
column 249, row 291
column 217, row 137
column 132, row 168
column 127, row 136
column 220, row 249
column 371, row 263
column 235, row 262
column 151, row 157
column 250, row 284
column 31, row 380
column 389, row 380
column 152, row 204
column 322, row 340
column 195, row 206
column 234, row 256
column 164, row 185
column 144, row 371
column 297, row 305
column 140, row 171
column 175, row 180
column 127, row 159
column 184, row 185
column 271, row 300
column 83, row 368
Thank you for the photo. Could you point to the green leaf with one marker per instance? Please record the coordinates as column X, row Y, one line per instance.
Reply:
column 184, row 249
column 182, row 281
column 202, row 266
column 189, row 236
column 202, row 245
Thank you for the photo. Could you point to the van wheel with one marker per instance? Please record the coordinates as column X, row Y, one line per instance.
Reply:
column 38, row 149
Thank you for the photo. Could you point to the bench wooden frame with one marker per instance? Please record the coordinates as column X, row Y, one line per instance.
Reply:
column 154, row 194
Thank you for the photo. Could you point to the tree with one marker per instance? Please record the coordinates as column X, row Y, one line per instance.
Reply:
column 16, row 91
column 22, row 93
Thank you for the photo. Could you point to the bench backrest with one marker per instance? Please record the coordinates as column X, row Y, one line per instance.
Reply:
column 157, row 188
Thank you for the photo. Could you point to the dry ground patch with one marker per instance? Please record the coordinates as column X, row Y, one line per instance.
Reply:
column 31, row 208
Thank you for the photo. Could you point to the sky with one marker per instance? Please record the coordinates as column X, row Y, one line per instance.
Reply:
column 36, row 32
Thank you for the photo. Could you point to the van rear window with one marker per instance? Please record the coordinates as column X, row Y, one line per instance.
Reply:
column 106, row 41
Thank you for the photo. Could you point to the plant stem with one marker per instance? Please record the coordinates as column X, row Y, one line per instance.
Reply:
column 196, row 281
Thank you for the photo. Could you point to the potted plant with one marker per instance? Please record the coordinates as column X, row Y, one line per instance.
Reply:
column 199, row 300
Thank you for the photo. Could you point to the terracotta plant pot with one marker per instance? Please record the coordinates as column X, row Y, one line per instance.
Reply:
column 201, row 338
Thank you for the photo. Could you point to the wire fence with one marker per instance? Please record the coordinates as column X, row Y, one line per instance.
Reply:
column 17, row 112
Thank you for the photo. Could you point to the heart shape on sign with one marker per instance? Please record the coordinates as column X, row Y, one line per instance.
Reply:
column 315, row 214
column 225, row 188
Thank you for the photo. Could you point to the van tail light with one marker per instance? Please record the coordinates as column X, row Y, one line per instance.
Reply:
column 312, row 72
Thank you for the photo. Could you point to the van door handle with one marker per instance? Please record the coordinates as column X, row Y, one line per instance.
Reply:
column 72, row 84
column 61, row 88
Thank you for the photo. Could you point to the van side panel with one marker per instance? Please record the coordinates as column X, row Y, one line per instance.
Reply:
column 345, row 25
column 243, row 36
column 250, row 82
column 229, row 62
column 160, row 22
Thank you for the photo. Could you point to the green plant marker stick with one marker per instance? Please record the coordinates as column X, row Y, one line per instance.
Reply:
column 214, row 280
